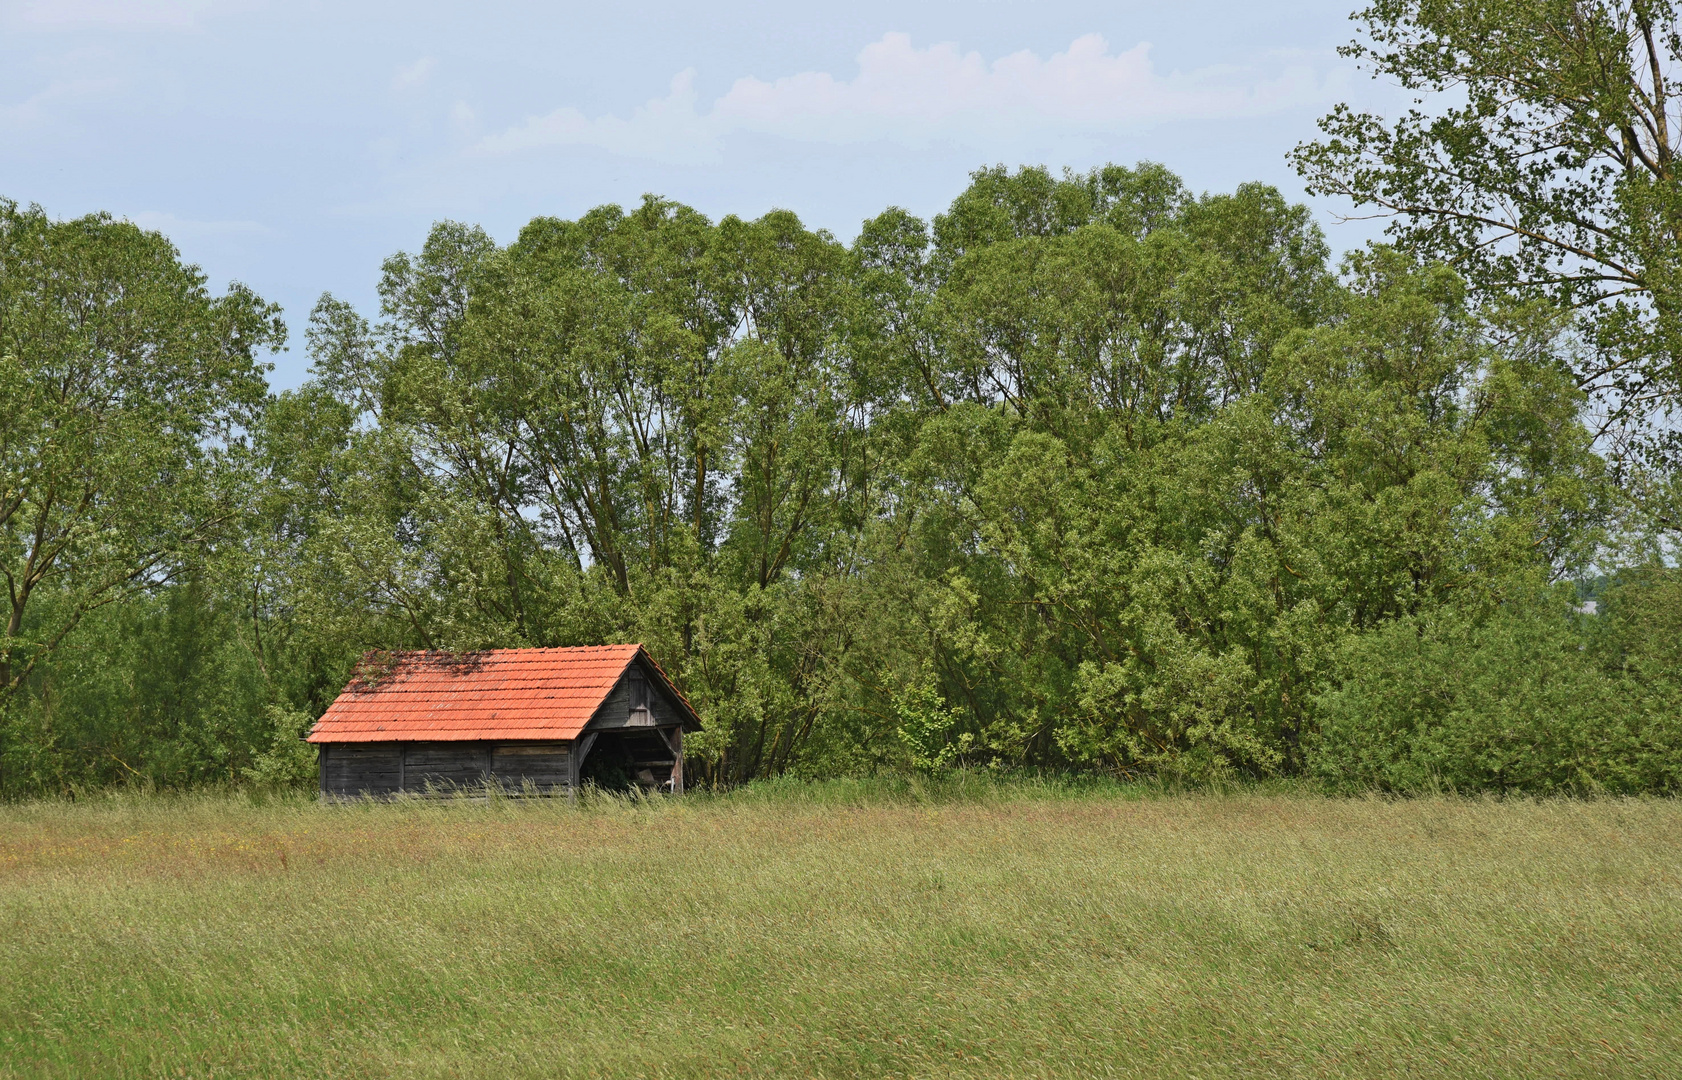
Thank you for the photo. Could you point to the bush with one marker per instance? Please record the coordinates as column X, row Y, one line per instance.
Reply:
column 1527, row 695
column 926, row 724
column 289, row 761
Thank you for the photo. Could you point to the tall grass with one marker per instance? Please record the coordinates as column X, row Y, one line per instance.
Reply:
column 965, row 928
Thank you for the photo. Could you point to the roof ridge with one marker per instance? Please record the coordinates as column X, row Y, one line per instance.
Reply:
column 615, row 647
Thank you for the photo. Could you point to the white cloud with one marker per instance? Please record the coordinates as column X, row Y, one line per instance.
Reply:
column 414, row 75
column 38, row 111
column 918, row 95
column 124, row 14
column 667, row 128
column 186, row 229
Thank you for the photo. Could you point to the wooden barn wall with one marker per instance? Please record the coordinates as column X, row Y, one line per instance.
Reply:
column 355, row 768
column 445, row 765
column 615, row 709
column 667, row 712
column 548, row 765
column 352, row 769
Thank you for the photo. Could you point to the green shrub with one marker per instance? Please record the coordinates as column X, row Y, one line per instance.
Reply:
column 1527, row 695
column 926, row 725
column 289, row 761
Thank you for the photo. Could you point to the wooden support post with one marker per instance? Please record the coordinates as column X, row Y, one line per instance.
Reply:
column 321, row 765
column 674, row 742
column 580, row 748
column 584, row 743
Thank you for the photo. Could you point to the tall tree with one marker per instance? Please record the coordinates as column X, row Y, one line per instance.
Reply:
column 124, row 390
column 1540, row 160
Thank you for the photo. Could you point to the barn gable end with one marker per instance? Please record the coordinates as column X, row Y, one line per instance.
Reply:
column 642, row 698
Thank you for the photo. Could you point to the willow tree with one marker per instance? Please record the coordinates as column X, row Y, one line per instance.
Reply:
column 124, row 388
column 1540, row 159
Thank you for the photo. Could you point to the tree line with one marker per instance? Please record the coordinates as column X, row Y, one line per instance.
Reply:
column 1089, row 472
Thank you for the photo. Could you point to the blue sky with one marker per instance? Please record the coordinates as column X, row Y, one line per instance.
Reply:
column 292, row 146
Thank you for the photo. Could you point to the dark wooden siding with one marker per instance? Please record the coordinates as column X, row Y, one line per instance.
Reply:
column 353, row 769
column 358, row 768
column 637, row 688
column 547, row 765
column 665, row 710
column 614, row 708
column 445, row 766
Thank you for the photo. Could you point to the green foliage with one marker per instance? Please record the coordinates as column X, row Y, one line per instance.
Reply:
column 926, row 725
column 162, row 691
column 1523, row 694
column 288, row 761
column 125, row 388
column 1544, row 169
column 1090, row 473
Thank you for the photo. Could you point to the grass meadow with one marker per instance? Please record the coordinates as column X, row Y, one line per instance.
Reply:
column 843, row 930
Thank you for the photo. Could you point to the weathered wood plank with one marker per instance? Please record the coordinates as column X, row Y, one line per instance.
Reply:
column 545, row 765
column 443, row 766
column 351, row 769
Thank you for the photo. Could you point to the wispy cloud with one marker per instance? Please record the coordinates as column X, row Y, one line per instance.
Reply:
column 124, row 14
column 40, row 110
column 668, row 128
column 190, row 230
column 915, row 95
column 413, row 76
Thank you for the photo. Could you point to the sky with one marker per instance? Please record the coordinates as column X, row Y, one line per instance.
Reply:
column 293, row 146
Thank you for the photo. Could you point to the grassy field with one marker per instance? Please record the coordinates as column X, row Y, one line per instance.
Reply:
column 843, row 931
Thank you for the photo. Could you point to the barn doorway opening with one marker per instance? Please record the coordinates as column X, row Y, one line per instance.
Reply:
column 629, row 760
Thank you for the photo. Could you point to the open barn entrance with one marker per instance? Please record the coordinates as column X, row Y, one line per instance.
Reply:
column 641, row 758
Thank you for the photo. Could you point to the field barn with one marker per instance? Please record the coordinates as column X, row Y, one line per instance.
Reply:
column 543, row 720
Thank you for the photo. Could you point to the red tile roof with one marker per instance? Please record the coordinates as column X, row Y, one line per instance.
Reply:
column 493, row 694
